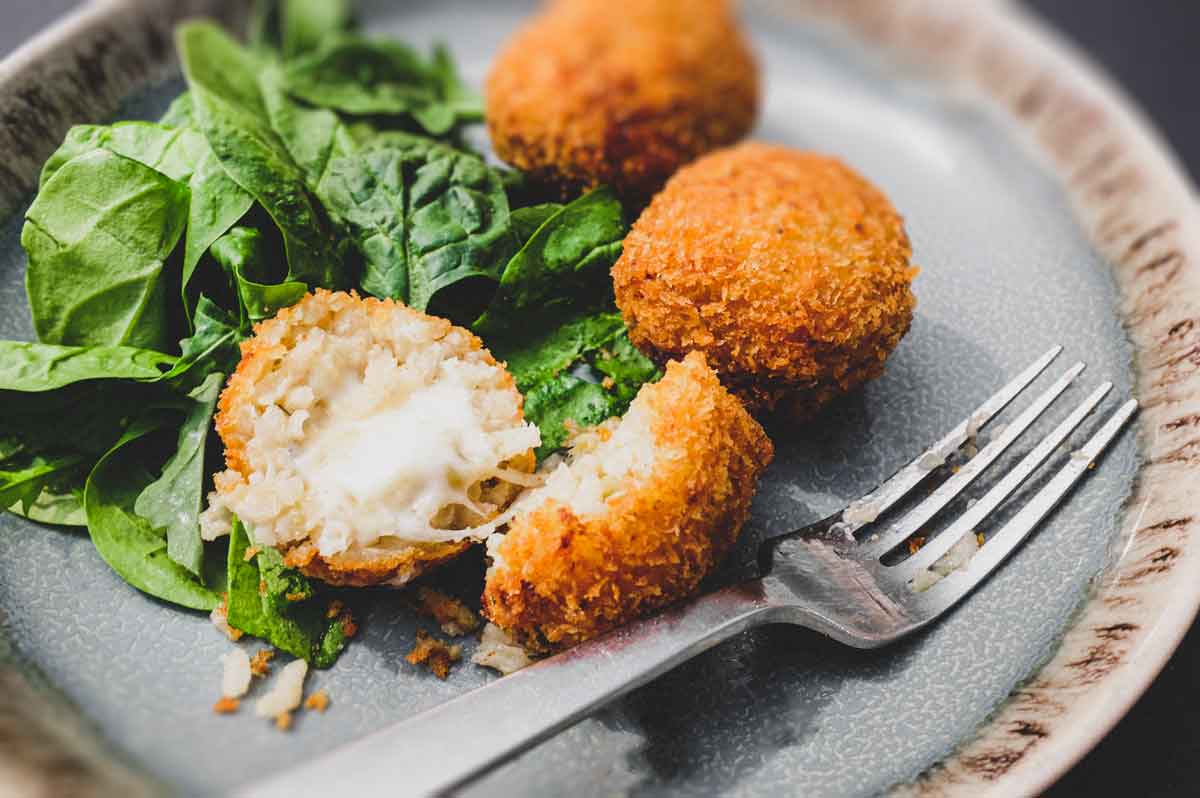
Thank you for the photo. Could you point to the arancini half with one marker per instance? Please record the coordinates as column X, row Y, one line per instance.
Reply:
column 642, row 510
column 367, row 441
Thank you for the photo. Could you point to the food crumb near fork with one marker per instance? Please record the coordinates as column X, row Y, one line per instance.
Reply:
column 453, row 616
column 226, row 705
column 318, row 701
column 260, row 663
column 434, row 654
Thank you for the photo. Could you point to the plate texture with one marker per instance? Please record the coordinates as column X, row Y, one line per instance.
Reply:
column 1040, row 211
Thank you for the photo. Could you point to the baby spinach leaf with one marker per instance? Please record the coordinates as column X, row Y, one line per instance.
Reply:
column 55, row 507
column 98, row 237
column 424, row 215
column 213, row 347
column 279, row 604
column 551, row 404
column 229, row 109
column 23, row 485
column 172, row 503
column 313, row 136
column 541, row 355
column 563, row 265
column 297, row 26
column 33, row 367
column 126, row 541
column 526, row 221
column 180, row 112
column 242, row 252
column 365, row 77
column 626, row 367
column 182, row 154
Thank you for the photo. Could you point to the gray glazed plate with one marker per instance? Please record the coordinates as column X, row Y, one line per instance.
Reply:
column 1041, row 209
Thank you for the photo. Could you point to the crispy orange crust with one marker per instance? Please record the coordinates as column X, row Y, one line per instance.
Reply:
column 787, row 269
column 274, row 337
column 590, row 92
column 562, row 579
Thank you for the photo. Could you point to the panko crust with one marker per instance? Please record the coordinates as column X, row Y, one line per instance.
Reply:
column 789, row 270
column 561, row 579
column 589, row 93
column 272, row 337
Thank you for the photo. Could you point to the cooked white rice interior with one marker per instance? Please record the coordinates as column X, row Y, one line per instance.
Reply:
column 371, row 428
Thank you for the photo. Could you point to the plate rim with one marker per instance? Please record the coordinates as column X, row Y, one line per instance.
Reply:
column 1131, row 197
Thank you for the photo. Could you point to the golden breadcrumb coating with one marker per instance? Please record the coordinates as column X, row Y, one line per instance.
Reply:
column 390, row 560
column 434, row 654
column 787, row 269
column 561, row 577
column 590, row 92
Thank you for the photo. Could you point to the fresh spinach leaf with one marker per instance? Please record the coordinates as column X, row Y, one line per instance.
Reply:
column 279, row 604
column 32, row 367
column 214, row 346
column 172, row 503
column 564, row 265
column 126, row 541
column 23, row 485
column 180, row 112
column 626, row 368
column 539, row 356
column 230, row 110
column 566, row 398
column 55, row 507
column 364, row 77
column 297, row 26
column 526, row 221
column 313, row 136
column 98, row 236
column 424, row 215
column 182, row 154
column 243, row 253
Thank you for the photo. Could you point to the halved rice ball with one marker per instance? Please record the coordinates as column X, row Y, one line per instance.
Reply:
column 367, row 441
column 640, row 513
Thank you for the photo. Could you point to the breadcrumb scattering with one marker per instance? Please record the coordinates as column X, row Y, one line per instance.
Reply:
column 318, row 701
column 235, row 673
column 283, row 721
column 220, row 619
column 226, row 706
column 498, row 651
column 788, row 269
column 434, row 654
column 367, row 441
column 641, row 512
column 455, row 618
column 260, row 663
column 286, row 691
column 590, row 93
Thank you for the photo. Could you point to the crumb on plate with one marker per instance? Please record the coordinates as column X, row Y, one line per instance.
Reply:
column 434, row 654
column 455, row 617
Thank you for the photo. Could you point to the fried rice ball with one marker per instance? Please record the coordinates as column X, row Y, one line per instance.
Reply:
column 640, row 513
column 590, row 93
column 367, row 441
column 787, row 269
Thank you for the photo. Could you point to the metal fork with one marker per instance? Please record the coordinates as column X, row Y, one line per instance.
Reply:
column 832, row 577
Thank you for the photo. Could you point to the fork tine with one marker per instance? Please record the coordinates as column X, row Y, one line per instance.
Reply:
column 869, row 507
column 969, row 521
column 920, row 515
column 957, row 584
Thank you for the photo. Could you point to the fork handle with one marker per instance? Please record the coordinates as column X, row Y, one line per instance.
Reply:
column 447, row 746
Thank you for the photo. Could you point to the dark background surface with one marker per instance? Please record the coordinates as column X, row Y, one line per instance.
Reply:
column 1151, row 47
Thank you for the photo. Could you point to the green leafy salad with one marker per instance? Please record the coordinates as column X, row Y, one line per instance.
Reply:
column 310, row 158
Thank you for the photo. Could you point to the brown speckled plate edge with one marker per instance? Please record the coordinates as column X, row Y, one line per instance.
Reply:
column 1131, row 197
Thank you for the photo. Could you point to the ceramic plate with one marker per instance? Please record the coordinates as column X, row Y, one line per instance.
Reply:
column 1042, row 210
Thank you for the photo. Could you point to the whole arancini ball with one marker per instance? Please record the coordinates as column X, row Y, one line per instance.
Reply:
column 787, row 269
column 592, row 93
